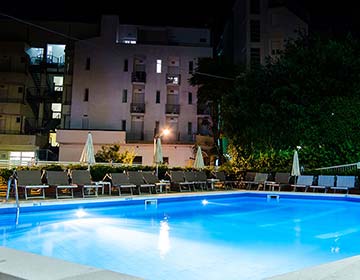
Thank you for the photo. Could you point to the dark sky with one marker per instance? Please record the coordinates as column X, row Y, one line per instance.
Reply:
column 334, row 16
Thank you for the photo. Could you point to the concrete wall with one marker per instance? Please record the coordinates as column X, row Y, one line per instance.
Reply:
column 71, row 144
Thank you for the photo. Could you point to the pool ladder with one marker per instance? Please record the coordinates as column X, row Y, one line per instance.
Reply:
column 271, row 197
column 13, row 179
column 149, row 202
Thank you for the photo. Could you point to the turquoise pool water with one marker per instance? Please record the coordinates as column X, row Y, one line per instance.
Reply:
column 205, row 237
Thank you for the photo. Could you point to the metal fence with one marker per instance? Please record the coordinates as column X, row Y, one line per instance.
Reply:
column 10, row 164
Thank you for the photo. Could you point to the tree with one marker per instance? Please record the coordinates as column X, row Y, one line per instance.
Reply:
column 308, row 97
column 214, row 78
column 111, row 153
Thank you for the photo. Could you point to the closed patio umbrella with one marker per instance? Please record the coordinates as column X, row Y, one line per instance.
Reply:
column 158, row 155
column 295, row 171
column 87, row 155
column 199, row 160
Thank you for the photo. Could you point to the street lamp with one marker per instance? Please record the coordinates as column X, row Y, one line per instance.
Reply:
column 158, row 156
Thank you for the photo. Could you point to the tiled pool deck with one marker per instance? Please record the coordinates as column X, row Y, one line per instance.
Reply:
column 16, row 264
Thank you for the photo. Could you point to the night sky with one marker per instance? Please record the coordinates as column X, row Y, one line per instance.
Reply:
column 326, row 16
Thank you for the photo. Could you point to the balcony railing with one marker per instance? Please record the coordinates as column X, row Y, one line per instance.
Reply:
column 137, row 108
column 173, row 79
column 172, row 109
column 138, row 77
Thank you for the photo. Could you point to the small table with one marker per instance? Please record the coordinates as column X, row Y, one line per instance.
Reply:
column 212, row 181
column 163, row 183
column 271, row 185
column 103, row 184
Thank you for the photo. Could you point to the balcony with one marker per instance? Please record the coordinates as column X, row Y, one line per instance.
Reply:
column 137, row 108
column 203, row 109
column 138, row 77
column 173, row 79
column 173, row 109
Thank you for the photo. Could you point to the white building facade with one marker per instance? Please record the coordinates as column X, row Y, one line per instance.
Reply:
column 134, row 80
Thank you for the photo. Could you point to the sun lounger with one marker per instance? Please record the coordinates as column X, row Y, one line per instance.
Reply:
column 151, row 178
column 121, row 181
column 303, row 182
column 344, row 183
column 136, row 178
column 60, row 180
column 324, row 182
column 178, row 180
column 259, row 181
column 32, row 180
column 82, row 179
column 228, row 184
column 281, row 180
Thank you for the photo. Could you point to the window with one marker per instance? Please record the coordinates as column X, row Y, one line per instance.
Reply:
column 254, row 56
column 87, row 65
column 202, row 40
column 20, row 89
column 86, row 95
column 157, row 96
column 157, row 125
column 126, row 65
column 85, row 122
column 124, row 96
column 56, row 110
column 255, row 7
column 123, row 125
column 191, row 67
column 137, row 160
column 18, row 119
column 255, row 30
column 165, row 160
column 158, row 66
column 189, row 132
column 58, row 82
column 190, row 98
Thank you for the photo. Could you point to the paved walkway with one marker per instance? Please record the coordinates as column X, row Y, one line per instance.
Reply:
column 346, row 269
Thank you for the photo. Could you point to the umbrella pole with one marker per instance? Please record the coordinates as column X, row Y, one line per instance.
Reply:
column 157, row 170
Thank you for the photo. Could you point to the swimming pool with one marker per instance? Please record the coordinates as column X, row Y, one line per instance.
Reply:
column 231, row 236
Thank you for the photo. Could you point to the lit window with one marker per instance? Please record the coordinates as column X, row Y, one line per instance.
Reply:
column 132, row 42
column 158, row 66
column 22, row 158
column 56, row 110
column 58, row 83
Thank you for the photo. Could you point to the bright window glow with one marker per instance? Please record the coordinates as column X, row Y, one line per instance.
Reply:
column 58, row 83
column 132, row 42
column 158, row 66
column 56, row 110
column 22, row 158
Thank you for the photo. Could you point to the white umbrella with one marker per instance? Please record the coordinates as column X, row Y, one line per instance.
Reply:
column 199, row 160
column 295, row 171
column 87, row 155
column 158, row 155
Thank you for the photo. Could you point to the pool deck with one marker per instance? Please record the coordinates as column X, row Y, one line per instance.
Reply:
column 15, row 264
column 344, row 269
column 20, row 265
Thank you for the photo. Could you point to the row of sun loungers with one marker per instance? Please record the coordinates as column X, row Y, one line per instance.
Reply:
column 35, row 183
column 304, row 183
